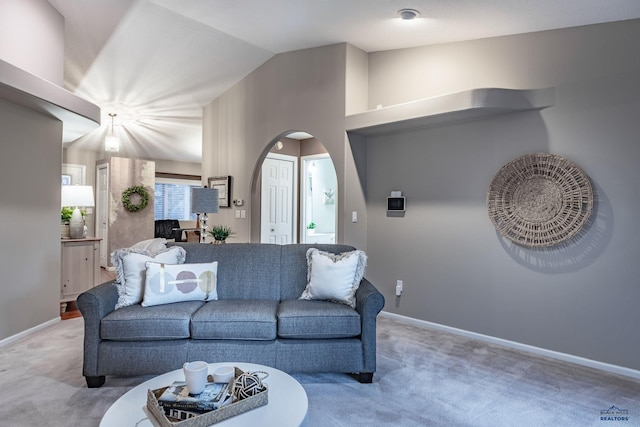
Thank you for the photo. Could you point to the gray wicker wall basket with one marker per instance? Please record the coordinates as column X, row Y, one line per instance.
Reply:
column 539, row 200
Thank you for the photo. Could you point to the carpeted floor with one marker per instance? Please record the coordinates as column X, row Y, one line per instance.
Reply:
column 424, row 378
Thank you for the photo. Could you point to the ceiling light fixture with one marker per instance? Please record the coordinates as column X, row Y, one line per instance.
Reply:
column 112, row 142
column 408, row 14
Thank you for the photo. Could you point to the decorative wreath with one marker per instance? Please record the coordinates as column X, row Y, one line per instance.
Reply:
column 540, row 200
column 142, row 203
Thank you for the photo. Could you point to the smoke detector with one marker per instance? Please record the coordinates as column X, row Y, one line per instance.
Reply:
column 408, row 14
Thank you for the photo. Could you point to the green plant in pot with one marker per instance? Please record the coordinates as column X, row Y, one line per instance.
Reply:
column 65, row 214
column 220, row 233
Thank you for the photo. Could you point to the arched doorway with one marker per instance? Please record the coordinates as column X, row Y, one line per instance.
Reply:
column 295, row 187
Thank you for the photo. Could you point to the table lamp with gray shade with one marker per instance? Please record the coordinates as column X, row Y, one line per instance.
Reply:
column 204, row 201
column 77, row 196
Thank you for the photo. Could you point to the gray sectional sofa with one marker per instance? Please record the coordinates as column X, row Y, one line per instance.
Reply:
column 257, row 318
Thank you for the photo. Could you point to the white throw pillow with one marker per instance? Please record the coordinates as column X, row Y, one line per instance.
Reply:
column 131, row 279
column 151, row 247
column 167, row 283
column 334, row 277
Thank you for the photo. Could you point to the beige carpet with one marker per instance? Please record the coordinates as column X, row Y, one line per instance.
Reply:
column 424, row 378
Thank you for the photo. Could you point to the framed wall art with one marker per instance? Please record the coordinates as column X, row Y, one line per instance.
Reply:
column 223, row 185
column 73, row 174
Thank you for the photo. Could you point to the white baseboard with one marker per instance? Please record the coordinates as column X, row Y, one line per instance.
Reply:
column 29, row 331
column 619, row 370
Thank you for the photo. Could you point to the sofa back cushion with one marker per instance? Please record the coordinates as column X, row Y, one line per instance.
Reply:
column 258, row 270
column 245, row 270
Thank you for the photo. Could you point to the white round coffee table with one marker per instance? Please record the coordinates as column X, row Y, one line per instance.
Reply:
column 287, row 401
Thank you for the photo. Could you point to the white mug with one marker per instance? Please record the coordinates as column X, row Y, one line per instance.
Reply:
column 224, row 374
column 195, row 375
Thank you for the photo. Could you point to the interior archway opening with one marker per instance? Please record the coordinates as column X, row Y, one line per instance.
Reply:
column 294, row 190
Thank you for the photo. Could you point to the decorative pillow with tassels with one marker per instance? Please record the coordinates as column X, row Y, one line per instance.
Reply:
column 167, row 283
column 334, row 277
column 130, row 267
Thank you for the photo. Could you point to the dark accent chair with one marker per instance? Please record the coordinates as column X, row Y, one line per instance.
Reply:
column 168, row 229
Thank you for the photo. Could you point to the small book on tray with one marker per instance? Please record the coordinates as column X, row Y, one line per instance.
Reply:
column 214, row 396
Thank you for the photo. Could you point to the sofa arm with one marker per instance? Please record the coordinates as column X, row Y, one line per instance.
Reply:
column 94, row 304
column 369, row 302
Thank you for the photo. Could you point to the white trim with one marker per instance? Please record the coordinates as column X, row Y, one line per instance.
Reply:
column 279, row 156
column 615, row 369
column 78, row 173
column 29, row 331
column 179, row 181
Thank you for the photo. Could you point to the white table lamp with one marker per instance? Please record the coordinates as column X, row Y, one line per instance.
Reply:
column 77, row 196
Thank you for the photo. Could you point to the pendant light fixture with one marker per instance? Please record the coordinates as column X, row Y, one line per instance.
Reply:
column 112, row 142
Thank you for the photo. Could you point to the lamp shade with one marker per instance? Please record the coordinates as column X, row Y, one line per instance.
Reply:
column 204, row 200
column 77, row 195
column 112, row 143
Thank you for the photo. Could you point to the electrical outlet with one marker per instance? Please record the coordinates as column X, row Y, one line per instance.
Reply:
column 399, row 287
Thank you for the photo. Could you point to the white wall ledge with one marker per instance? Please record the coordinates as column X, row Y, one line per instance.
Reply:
column 449, row 108
column 19, row 87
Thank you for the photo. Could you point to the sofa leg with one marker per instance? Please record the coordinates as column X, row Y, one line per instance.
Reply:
column 364, row 377
column 94, row 382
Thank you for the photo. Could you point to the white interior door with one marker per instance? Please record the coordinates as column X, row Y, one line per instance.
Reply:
column 102, row 212
column 279, row 188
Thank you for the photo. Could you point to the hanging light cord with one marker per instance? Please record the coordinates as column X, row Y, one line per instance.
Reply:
column 112, row 115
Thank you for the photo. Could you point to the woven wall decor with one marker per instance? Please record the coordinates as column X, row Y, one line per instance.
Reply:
column 539, row 200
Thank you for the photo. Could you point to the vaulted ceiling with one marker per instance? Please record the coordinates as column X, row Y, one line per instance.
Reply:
column 156, row 63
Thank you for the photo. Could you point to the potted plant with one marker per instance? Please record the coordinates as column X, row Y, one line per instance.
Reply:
column 65, row 216
column 220, row 233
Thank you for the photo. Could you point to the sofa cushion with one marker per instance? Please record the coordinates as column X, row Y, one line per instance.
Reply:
column 235, row 320
column 334, row 277
column 131, row 269
column 317, row 319
column 293, row 269
column 166, row 283
column 137, row 323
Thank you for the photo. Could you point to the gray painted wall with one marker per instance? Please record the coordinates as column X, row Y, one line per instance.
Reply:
column 29, row 219
column 297, row 91
column 30, row 173
column 581, row 299
column 32, row 38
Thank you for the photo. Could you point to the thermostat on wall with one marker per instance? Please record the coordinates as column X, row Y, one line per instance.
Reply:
column 395, row 204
